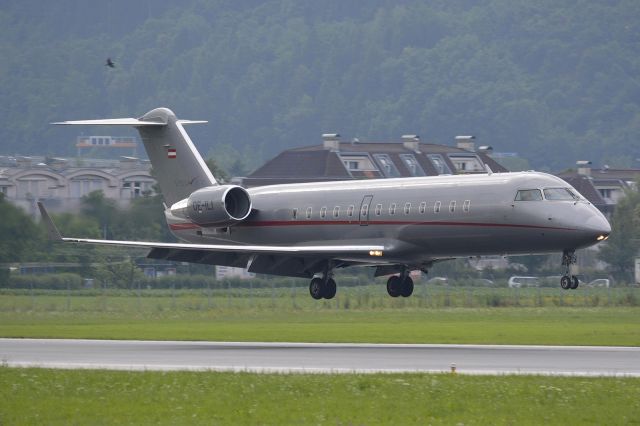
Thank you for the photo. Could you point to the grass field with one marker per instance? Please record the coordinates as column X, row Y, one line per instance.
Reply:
column 186, row 315
column 491, row 316
column 40, row 396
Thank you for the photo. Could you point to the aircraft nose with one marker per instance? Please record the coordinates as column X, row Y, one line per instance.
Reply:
column 599, row 226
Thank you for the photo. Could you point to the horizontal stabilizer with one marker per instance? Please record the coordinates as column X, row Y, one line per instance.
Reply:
column 111, row 122
column 134, row 122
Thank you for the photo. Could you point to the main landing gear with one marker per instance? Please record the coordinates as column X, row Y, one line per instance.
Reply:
column 324, row 287
column 400, row 285
column 569, row 282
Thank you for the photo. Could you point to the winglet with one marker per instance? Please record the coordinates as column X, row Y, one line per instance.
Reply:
column 54, row 234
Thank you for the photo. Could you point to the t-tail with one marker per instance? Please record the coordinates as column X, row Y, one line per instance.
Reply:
column 177, row 165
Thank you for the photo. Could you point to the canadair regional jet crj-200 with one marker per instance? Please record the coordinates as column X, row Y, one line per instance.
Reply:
column 393, row 225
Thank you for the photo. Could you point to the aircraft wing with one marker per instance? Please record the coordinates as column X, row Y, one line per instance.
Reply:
column 296, row 250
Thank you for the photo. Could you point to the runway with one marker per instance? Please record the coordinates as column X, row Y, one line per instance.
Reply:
column 320, row 357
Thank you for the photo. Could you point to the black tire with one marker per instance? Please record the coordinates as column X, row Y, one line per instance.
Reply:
column 393, row 286
column 565, row 282
column 330, row 288
column 575, row 282
column 406, row 289
column 316, row 288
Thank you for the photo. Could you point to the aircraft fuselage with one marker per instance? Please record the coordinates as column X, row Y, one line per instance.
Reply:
column 418, row 218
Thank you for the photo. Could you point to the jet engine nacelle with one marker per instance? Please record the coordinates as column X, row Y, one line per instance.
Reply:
column 220, row 206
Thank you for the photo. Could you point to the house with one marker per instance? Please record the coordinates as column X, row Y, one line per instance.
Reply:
column 602, row 187
column 335, row 159
column 61, row 183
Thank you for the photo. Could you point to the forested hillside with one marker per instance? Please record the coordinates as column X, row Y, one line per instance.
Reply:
column 554, row 81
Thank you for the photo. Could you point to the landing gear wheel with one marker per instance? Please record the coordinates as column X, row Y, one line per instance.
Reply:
column 329, row 289
column 406, row 289
column 574, row 282
column 316, row 288
column 569, row 281
column 394, row 286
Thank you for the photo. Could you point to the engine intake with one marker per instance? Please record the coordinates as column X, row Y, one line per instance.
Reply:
column 220, row 206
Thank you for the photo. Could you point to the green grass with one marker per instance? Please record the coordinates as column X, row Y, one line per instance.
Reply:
column 40, row 396
column 366, row 297
column 160, row 318
column 358, row 314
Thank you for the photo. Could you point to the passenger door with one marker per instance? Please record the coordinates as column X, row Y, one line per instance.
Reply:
column 364, row 210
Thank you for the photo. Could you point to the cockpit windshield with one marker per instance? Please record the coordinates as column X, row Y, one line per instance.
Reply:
column 529, row 195
column 550, row 194
column 560, row 194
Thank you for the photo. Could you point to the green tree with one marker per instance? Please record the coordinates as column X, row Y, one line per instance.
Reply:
column 118, row 274
column 143, row 220
column 623, row 244
column 100, row 208
column 77, row 225
column 218, row 172
column 20, row 237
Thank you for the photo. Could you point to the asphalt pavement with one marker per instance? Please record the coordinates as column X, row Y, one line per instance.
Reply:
column 320, row 357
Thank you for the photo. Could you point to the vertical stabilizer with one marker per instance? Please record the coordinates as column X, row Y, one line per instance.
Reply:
column 177, row 165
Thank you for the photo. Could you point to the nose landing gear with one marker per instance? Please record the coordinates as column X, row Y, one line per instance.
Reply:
column 569, row 282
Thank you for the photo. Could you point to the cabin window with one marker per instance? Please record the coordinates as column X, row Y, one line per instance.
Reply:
column 407, row 208
column 392, row 209
column 378, row 209
column 436, row 207
column 323, row 212
column 294, row 213
column 364, row 211
column 423, row 207
column 309, row 211
column 529, row 195
column 466, row 206
column 336, row 211
column 452, row 207
column 350, row 211
column 560, row 194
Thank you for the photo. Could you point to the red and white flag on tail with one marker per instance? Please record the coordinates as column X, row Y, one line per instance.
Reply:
column 171, row 153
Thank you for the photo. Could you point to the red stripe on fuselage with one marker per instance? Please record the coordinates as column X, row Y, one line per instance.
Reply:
column 398, row 223
column 272, row 223
column 183, row 226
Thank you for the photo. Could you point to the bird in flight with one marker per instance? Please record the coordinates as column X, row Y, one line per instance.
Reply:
column 110, row 63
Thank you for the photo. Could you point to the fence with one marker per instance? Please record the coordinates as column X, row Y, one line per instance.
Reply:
column 296, row 297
